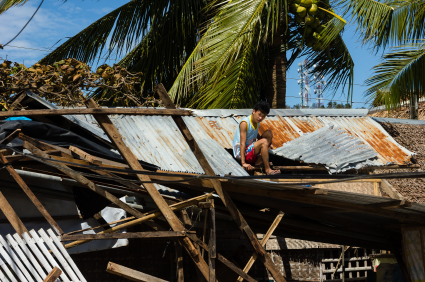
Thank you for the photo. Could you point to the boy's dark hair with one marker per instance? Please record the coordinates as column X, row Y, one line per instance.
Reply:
column 263, row 106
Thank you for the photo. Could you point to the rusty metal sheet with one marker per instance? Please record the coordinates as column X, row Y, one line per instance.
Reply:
column 219, row 129
column 371, row 132
column 283, row 130
column 306, row 124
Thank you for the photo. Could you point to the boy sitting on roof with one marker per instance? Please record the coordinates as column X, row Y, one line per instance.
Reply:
column 248, row 144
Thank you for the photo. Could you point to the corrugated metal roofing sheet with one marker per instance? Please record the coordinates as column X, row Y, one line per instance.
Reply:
column 281, row 112
column 156, row 139
column 331, row 146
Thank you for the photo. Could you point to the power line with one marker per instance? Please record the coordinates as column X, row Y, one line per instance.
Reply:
column 45, row 50
column 328, row 82
column 25, row 24
column 335, row 100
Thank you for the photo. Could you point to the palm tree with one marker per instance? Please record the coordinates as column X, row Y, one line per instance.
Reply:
column 400, row 24
column 218, row 53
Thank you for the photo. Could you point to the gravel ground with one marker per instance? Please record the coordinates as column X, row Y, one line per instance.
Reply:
column 412, row 137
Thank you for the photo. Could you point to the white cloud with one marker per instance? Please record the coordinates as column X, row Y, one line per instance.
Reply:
column 55, row 20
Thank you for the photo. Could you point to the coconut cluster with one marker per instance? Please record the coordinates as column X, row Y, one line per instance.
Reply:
column 311, row 20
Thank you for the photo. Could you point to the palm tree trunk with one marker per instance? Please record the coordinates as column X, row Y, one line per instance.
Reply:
column 277, row 74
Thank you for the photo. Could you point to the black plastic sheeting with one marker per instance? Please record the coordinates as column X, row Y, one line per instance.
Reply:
column 58, row 136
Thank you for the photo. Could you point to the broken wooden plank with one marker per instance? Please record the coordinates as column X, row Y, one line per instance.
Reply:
column 94, row 111
column 82, row 180
column 266, row 237
column 257, row 189
column 31, row 195
column 131, row 274
column 148, row 216
column 390, row 191
column 179, row 261
column 212, row 247
column 53, row 275
column 111, row 131
column 396, row 204
column 10, row 138
column 221, row 258
column 11, row 215
column 224, row 196
column 127, row 235
column 324, row 168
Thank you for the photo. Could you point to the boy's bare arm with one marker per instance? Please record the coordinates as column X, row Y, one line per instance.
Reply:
column 243, row 130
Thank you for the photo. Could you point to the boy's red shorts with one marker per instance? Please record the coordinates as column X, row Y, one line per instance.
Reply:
column 250, row 155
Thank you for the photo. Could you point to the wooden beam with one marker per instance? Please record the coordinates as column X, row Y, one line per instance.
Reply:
column 101, row 111
column 224, row 196
column 396, row 204
column 212, row 246
column 127, row 235
column 11, row 215
column 221, row 258
column 10, row 137
column 111, row 131
column 147, row 216
column 31, row 195
column 390, row 191
column 131, row 274
column 83, row 180
column 266, row 237
column 362, row 169
column 257, row 189
column 53, row 275
column 179, row 261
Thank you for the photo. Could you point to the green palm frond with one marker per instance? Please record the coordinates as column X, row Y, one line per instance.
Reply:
column 237, row 24
column 408, row 20
column 7, row 4
column 335, row 63
column 374, row 20
column 240, row 86
column 399, row 76
column 331, row 30
column 126, row 25
column 153, row 56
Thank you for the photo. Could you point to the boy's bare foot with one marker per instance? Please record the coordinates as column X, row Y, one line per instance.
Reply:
column 272, row 172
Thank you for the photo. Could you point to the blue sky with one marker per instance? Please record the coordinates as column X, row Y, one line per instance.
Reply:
column 57, row 20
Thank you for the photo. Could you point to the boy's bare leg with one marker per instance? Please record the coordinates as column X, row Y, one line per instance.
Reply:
column 262, row 146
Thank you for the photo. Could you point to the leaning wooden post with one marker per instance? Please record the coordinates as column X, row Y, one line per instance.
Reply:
column 31, row 195
column 212, row 247
column 224, row 196
column 266, row 237
column 111, row 131
column 179, row 260
column 11, row 215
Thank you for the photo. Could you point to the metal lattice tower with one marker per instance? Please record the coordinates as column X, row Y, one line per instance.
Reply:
column 318, row 88
column 304, row 82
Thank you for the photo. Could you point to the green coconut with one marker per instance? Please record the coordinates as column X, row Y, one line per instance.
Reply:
column 316, row 35
column 312, row 10
column 314, row 2
column 316, row 23
column 309, row 20
column 301, row 11
column 306, row 3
